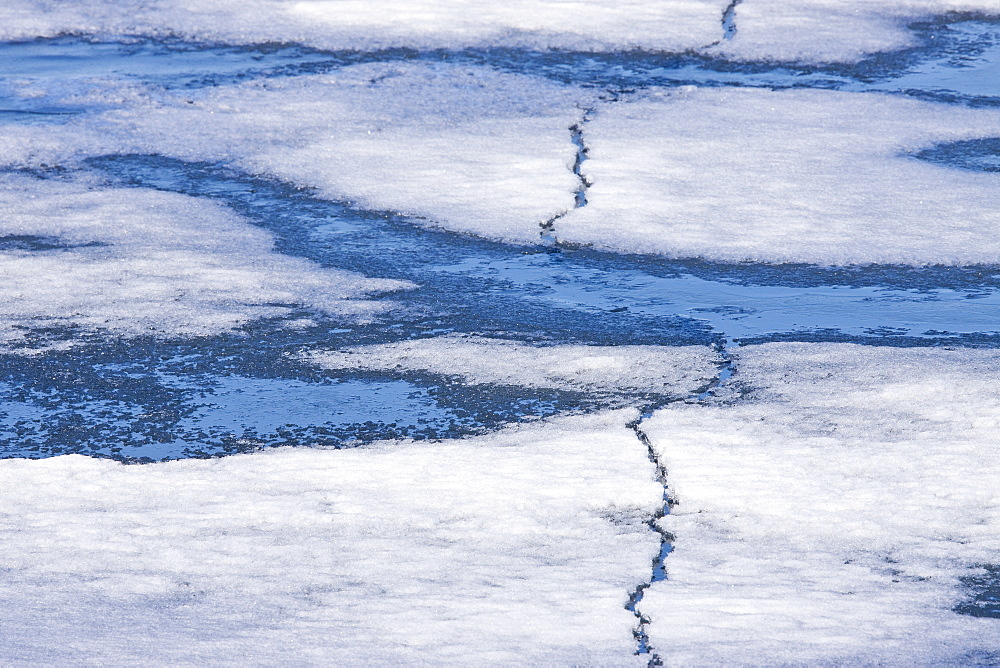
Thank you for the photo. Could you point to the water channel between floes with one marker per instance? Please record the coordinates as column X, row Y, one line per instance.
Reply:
column 149, row 399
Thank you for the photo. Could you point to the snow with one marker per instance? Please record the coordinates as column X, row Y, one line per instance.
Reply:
column 830, row 500
column 814, row 31
column 675, row 371
column 467, row 148
column 827, row 516
column 835, row 31
column 518, row 548
column 673, row 25
column 138, row 262
column 813, row 176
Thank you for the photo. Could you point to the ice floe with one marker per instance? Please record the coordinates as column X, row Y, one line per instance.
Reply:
column 827, row 516
column 676, row 371
column 467, row 148
column 673, row 25
column 823, row 177
column 814, row 31
column 824, row 31
column 517, row 548
column 139, row 262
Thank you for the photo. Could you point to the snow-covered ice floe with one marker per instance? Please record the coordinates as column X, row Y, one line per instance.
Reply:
column 833, row 31
column 827, row 517
column 467, row 148
column 670, row 370
column 139, row 262
column 815, row 31
column 817, row 176
column 813, row 176
column 517, row 548
column 673, row 25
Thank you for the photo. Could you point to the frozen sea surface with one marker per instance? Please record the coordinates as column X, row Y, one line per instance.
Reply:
column 521, row 292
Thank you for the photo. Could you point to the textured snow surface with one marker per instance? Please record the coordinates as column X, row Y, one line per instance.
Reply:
column 800, row 176
column 672, row 25
column 819, row 31
column 674, row 371
column 809, row 30
column 137, row 262
column 466, row 147
column 517, row 548
column 827, row 517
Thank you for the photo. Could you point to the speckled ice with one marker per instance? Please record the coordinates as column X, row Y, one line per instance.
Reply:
column 827, row 516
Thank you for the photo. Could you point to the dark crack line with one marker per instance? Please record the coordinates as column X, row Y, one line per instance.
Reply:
column 580, row 196
column 728, row 24
column 729, row 20
column 659, row 569
column 576, row 133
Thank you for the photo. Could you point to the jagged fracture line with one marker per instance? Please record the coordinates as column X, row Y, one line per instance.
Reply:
column 727, row 367
column 580, row 197
column 666, row 544
column 729, row 20
column 726, row 371
column 576, row 133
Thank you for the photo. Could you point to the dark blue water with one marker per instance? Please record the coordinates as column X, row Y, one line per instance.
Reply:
column 149, row 399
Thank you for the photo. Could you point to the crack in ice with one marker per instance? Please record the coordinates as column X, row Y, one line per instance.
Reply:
column 659, row 570
column 580, row 196
column 666, row 544
column 729, row 20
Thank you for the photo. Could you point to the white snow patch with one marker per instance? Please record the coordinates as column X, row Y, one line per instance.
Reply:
column 674, row 371
column 786, row 176
column 137, row 262
column 671, row 25
column 517, row 548
column 826, row 519
column 824, row 31
column 817, row 31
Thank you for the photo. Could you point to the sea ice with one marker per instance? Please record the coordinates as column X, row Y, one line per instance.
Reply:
column 825, row 515
column 814, row 176
column 812, row 31
column 825, row 31
column 140, row 262
column 467, row 148
column 518, row 548
column 676, row 371
column 671, row 25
